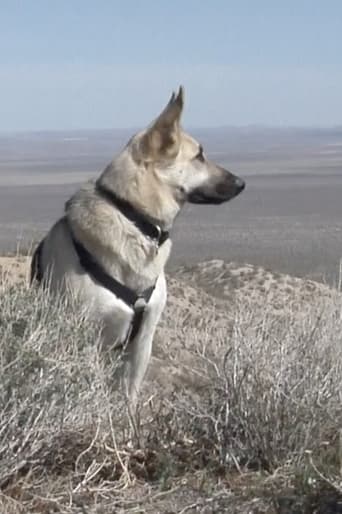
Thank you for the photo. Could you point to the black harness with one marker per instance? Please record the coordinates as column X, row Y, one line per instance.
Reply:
column 137, row 301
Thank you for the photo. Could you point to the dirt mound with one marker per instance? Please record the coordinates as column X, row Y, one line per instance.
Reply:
column 232, row 281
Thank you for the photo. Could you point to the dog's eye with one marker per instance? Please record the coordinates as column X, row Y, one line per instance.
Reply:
column 200, row 155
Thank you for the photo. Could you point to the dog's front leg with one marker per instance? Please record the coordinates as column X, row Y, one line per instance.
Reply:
column 138, row 352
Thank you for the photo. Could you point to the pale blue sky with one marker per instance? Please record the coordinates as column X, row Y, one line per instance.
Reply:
column 73, row 64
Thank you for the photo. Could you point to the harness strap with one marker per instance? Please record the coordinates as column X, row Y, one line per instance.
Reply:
column 137, row 301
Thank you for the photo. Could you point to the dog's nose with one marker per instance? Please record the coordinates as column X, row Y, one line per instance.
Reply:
column 240, row 184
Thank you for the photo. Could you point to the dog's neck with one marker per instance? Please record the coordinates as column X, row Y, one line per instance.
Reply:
column 149, row 227
column 140, row 186
column 114, row 241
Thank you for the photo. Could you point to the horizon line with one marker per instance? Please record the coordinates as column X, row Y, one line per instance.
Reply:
column 250, row 126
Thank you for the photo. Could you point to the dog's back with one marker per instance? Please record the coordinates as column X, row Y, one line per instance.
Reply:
column 36, row 271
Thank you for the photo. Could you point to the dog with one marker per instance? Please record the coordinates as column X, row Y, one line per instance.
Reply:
column 111, row 246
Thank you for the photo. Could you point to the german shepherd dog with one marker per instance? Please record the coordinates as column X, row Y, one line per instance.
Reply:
column 111, row 246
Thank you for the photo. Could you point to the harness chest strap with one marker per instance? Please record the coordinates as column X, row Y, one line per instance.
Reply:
column 137, row 302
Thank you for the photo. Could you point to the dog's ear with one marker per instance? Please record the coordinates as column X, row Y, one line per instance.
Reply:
column 162, row 138
column 172, row 112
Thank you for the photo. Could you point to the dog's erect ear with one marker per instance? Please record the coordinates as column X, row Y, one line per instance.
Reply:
column 162, row 138
column 172, row 112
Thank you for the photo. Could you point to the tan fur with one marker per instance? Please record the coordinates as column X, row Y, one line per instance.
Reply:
column 159, row 169
column 120, row 247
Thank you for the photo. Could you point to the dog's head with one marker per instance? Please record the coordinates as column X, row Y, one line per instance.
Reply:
column 180, row 163
column 162, row 167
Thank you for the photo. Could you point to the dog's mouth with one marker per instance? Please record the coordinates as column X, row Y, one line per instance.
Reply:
column 220, row 194
column 202, row 198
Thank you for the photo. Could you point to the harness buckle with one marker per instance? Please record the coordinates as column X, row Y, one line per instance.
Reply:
column 140, row 304
column 159, row 230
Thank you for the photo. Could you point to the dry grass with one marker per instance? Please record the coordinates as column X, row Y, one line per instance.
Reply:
column 257, row 429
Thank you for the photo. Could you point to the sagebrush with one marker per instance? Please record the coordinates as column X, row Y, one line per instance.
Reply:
column 269, row 402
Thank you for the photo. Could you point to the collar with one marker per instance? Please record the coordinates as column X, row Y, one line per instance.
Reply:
column 140, row 220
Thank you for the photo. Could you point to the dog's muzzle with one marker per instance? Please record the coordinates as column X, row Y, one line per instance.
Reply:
column 229, row 190
column 219, row 192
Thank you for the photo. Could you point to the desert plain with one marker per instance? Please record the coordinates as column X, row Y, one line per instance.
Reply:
column 288, row 219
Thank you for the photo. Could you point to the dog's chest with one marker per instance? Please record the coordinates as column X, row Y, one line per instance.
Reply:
column 116, row 317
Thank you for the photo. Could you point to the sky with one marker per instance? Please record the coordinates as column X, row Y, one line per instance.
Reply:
column 81, row 64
